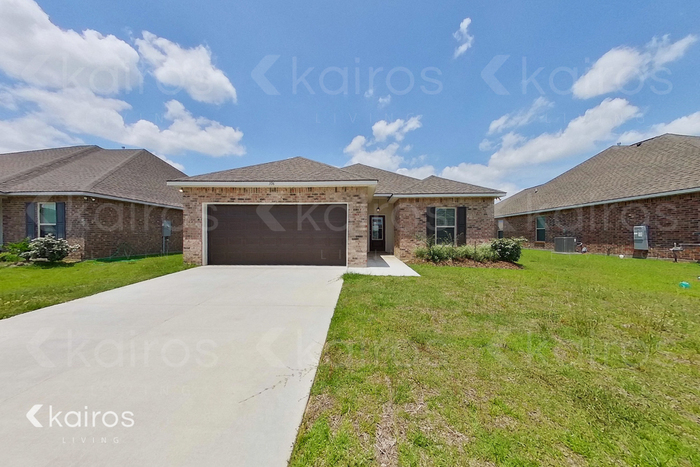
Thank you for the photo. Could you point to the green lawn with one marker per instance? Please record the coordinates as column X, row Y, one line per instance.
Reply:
column 28, row 288
column 573, row 360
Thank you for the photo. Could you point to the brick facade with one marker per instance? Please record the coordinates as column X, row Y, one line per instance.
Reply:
column 103, row 228
column 410, row 219
column 608, row 228
column 356, row 197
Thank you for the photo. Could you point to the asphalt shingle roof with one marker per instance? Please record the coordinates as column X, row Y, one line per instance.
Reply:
column 397, row 184
column 387, row 182
column 296, row 169
column 133, row 174
column 663, row 164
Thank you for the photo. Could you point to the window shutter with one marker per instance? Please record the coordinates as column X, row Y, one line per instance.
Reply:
column 60, row 220
column 30, row 219
column 462, row 225
column 430, row 224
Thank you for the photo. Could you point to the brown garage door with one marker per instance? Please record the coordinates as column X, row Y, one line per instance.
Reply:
column 279, row 234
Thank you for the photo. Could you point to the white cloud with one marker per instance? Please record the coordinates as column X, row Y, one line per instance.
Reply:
column 82, row 112
column 581, row 135
column 522, row 117
column 30, row 132
column 189, row 69
column 418, row 172
column 621, row 65
column 369, row 93
column 687, row 125
column 36, row 51
column 384, row 101
column 384, row 156
column 481, row 175
column 408, row 147
column 396, row 129
column 462, row 35
column 486, row 145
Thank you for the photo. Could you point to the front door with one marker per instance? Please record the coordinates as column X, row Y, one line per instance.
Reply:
column 376, row 233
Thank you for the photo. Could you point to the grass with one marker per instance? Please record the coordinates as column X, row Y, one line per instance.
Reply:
column 573, row 360
column 28, row 288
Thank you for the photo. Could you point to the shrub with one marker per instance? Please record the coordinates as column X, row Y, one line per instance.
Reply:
column 508, row 249
column 48, row 248
column 17, row 248
column 436, row 253
column 441, row 253
column 8, row 257
column 480, row 253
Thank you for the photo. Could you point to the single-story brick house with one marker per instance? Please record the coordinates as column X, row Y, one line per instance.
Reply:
column 110, row 202
column 298, row 211
column 653, row 184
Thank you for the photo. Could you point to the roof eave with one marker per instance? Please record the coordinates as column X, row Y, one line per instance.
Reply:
column 283, row 184
column 449, row 195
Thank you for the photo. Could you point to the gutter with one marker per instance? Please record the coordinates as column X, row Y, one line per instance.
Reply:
column 450, row 195
column 205, row 184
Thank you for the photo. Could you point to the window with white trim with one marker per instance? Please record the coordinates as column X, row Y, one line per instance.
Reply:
column 445, row 225
column 500, row 228
column 47, row 219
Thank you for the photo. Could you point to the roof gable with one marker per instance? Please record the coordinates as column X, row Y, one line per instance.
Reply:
column 439, row 185
column 662, row 164
column 387, row 182
column 397, row 184
column 296, row 169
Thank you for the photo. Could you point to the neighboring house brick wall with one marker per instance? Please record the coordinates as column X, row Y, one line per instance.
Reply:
column 193, row 198
column 608, row 228
column 410, row 218
column 102, row 228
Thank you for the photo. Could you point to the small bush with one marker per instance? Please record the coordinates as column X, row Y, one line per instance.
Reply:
column 17, row 248
column 442, row 253
column 480, row 253
column 436, row 253
column 8, row 257
column 508, row 249
column 49, row 249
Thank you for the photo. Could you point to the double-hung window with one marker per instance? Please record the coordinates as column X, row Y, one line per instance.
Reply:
column 47, row 219
column 500, row 228
column 541, row 229
column 445, row 225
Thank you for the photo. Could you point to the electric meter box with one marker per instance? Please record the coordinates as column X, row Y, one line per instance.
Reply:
column 167, row 228
column 641, row 237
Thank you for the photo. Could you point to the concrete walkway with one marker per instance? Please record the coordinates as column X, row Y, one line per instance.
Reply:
column 379, row 264
column 210, row 366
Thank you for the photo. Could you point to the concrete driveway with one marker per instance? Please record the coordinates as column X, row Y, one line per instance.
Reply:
column 209, row 366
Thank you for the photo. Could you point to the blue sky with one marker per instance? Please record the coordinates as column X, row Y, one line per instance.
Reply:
column 209, row 85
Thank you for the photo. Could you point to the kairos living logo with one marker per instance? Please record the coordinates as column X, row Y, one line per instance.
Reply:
column 79, row 418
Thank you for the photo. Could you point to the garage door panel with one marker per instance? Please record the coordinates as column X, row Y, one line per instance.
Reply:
column 281, row 234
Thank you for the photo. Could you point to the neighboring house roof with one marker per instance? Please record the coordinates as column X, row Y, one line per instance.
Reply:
column 129, row 174
column 402, row 185
column 659, row 166
column 296, row 169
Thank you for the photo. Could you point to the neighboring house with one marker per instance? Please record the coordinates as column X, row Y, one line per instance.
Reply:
column 110, row 202
column 298, row 211
column 653, row 183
